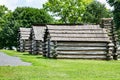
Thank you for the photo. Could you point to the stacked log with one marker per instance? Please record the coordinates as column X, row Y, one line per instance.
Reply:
column 107, row 23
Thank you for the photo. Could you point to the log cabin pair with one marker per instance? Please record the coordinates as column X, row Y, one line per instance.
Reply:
column 71, row 41
column 31, row 39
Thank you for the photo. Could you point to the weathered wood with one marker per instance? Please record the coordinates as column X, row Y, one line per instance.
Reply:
column 73, row 27
column 81, row 35
column 76, row 29
column 108, row 24
column 81, row 57
column 80, row 42
column 80, row 39
column 37, row 39
column 81, row 48
column 81, row 52
column 23, row 39
column 76, row 32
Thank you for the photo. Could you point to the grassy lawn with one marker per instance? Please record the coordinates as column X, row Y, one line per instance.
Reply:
column 55, row 69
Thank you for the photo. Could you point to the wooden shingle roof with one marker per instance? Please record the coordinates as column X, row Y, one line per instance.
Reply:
column 77, row 33
column 39, row 32
column 24, row 33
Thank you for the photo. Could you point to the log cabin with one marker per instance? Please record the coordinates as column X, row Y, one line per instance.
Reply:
column 24, row 42
column 77, row 42
column 37, row 34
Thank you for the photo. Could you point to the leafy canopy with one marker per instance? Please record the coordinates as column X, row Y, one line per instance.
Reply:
column 95, row 11
column 68, row 11
column 3, row 13
column 116, row 12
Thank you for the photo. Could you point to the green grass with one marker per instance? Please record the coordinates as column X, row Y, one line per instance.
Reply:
column 57, row 69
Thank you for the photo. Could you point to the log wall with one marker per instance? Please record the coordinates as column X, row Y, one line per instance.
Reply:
column 78, row 50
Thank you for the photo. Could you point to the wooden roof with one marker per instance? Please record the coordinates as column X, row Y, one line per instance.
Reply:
column 39, row 32
column 24, row 33
column 77, row 33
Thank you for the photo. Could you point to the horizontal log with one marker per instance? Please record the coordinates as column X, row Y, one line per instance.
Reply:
column 81, row 57
column 77, row 32
column 82, row 44
column 73, row 27
column 79, row 43
column 76, row 29
column 40, row 49
column 80, row 39
column 81, row 35
column 25, row 33
column 81, row 52
column 81, row 48
column 24, row 37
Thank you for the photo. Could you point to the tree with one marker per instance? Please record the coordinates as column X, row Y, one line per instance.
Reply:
column 3, row 11
column 22, row 17
column 4, row 14
column 68, row 11
column 94, row 12
column 116, row 12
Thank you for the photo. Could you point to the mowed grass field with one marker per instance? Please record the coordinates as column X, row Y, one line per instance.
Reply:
column 59, row 69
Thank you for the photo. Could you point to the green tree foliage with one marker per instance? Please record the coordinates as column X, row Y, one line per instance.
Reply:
column 116, row 12
column 95, row 11
column 4, row 14
column 3, row 11
column 26, row 16
column 69, row 11
column 22, row 17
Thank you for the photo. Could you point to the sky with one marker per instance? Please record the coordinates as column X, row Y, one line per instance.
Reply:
column 12, row 4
